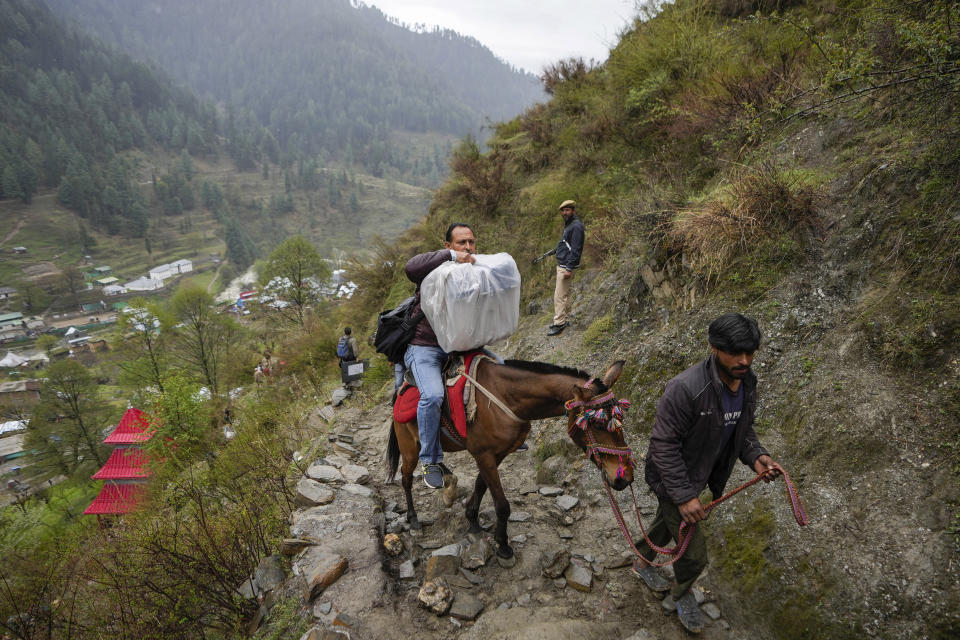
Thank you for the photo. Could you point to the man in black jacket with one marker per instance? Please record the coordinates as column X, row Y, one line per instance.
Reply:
column 704, row 423
column 568, row 253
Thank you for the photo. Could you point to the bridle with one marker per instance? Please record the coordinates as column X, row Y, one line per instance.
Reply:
column 603, row 412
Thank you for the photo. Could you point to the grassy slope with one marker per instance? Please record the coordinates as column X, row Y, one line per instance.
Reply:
column 834, row 229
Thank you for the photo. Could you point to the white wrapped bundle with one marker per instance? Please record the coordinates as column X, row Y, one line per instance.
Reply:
column 470, row 305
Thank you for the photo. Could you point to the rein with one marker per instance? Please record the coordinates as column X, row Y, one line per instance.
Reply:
column 494, row 399
column 596, row 411
column 685, row 534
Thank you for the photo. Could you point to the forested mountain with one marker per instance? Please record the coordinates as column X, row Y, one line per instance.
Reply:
column 68, row 104
column 328, row 77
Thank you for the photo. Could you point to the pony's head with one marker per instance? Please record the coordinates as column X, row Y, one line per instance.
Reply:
column 595, row 424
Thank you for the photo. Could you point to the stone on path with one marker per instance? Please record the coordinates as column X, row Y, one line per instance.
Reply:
column 711, row 610
column 528, row 488
column 435, row 595
column 345, row 449
column 551, row 491
column 324, row 473
column 567, row 502
column 668, row 603
column 625, row 559
column 579, row 577
column 407, row 571
column 554, row 563
column 320, row 569
column 466, row 607
column 441, row 566
column 448, row 550
column 518, row 516
column 565, row 533
column 355, row 474
column 476, row 554
column 293, row 546
column 336, row 461
column 393, row 544
column 311, row 493
column 359, row 490
column 327, row 413
column 471, row 576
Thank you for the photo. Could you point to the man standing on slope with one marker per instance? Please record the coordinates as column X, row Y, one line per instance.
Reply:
column 568, row 258
column 424, row 356
column 704, row 423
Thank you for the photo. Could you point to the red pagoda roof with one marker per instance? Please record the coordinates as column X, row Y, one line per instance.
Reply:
column 115, row 499
column 124, row 464
column 133, row 427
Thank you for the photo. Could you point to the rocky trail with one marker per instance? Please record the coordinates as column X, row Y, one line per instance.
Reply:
column 361, row 572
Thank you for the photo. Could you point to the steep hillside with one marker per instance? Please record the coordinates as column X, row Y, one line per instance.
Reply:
column 801, row 167
column 329, row 76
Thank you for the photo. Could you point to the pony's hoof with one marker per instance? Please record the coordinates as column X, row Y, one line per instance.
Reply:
column 415, row 525
column 507, row 562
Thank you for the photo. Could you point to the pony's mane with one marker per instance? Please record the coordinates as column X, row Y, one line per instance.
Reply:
column 546, row 368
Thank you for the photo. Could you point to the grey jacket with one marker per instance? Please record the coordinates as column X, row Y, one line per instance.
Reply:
column 685, row 447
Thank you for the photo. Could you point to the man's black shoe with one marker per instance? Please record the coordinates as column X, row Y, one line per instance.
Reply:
column 556, row 328
column 432, row 475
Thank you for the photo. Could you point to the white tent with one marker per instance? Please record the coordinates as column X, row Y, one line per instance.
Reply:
column 12, row 360
column 71, row 331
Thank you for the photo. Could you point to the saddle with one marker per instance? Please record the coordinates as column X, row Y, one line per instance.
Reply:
column 459, row 406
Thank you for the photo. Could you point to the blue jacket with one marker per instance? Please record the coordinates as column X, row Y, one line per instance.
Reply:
column 571, row 244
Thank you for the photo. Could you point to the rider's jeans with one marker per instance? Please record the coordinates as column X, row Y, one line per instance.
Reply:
column 426, row 362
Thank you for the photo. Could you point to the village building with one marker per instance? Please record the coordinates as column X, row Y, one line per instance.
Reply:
column 13, row 319
column 6, row 292
column 144, row 284
column 20, row 394
column 20, row 250
column 114, row 290
column 175, row 268
column 103, row 282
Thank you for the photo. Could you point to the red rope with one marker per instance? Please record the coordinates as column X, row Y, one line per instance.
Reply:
column 685, row 534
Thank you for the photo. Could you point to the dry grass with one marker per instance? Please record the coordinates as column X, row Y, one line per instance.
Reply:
column 760, row 208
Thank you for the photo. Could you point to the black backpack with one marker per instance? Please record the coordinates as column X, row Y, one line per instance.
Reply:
column 395, row 329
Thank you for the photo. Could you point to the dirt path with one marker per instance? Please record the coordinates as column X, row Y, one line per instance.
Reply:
column 519, row 602
column 214, row 278
column 13, row 232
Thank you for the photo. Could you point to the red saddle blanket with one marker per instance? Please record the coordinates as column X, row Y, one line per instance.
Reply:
column 405, row 409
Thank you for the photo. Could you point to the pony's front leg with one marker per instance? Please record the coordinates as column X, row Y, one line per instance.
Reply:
column 488, row 469
column 473, row 505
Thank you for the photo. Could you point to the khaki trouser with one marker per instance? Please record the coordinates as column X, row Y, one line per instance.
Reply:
column 561, row 297
column 665, row 526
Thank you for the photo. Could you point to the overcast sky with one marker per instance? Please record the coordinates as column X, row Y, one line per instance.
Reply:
column 526, row 33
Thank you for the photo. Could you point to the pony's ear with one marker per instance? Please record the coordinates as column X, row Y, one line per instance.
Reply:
column 613, row 373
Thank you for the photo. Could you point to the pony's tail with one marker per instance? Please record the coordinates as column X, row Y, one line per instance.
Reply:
column 393, row 453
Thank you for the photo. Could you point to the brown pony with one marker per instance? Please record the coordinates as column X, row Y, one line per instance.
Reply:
column 532, row 391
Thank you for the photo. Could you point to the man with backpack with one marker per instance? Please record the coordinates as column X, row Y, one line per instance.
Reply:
column 347, row 347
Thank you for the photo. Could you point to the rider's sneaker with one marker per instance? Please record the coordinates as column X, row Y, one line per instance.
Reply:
column 651, row 577
column 689, row 613
column 432, row 475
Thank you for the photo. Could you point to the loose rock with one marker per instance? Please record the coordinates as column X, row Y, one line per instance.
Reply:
column 356, row 474
column 476, row 554
column 320, row 570
column 466, row 607
column 269, row 574
column 322, row 609
column 293, row 546
column 435, row 596
column 393, row 544
column 554, row 563
column 324, row 473
column 711, row 610
column 358, row 490
column 407, row 571
column 311, row 493
column 579, row 577
column 448, row 550
column 441, row 566
column 551, row 491
column 567, row 502
column 519, row 516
